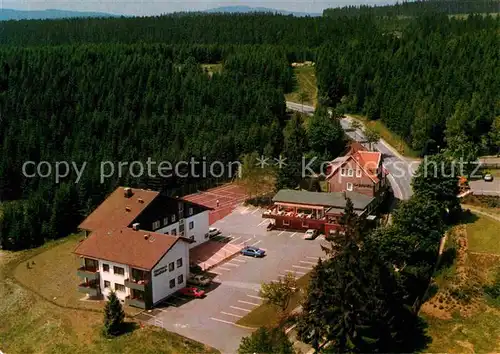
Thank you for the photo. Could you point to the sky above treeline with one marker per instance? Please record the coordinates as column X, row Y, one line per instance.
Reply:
column 156, row 7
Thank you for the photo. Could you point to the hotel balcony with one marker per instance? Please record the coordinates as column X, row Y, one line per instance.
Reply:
column 136, row 285
column 87, row 272
column 92, row 289
column 136, row 302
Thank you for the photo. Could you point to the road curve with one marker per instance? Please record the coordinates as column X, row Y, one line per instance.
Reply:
column 400, row 169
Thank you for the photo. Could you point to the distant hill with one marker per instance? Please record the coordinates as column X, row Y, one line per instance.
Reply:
column 248, row 9
column 11, row 14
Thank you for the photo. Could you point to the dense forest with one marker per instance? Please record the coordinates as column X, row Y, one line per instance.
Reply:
column 418, row 8
column 125, row 89
column 435, row 83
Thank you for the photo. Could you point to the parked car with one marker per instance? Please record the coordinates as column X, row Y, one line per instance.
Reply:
column 199, row 280
column 213, row 231
column 310, row 234
column 252, row 251
column 488, row 177
column 192, row 292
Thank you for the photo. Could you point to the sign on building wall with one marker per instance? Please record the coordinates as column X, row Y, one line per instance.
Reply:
column 160, row 270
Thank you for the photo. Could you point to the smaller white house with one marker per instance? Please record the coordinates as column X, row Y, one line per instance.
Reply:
column 138, row 245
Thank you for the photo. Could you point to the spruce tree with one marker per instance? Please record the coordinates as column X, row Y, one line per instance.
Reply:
column 113, row 316
column 266, row 340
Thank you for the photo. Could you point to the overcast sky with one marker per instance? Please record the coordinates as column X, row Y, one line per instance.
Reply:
column 154, row 7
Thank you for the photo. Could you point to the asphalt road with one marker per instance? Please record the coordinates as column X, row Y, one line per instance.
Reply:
column 235, row 289
column 401, row 170
column 481, row 187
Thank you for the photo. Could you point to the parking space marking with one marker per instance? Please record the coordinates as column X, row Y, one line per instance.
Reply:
column 307, row 262
column 294, row 271
column 256, row 243
column 281, row 233
column 263, row 222
column 316, row 258
column 293, row 234
column 239, row 260
column 301, row 267
column 211, row 271
column 231, row 314
column 234, row 239
column 289, row 271
column 240, row 244
column 239, row 308
column 248, row 302
column 223, row 321
column 224, row 268
column 255, row 297
column 256, row 210
column 231, row 264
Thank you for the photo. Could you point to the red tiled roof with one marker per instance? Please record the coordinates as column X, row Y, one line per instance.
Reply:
column 127, row 246
column 369, row 161
column 117, row 210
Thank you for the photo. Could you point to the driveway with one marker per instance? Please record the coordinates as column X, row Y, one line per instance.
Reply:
column 235, row 290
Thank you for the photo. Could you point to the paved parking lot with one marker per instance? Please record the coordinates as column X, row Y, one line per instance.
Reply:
column 235, row 290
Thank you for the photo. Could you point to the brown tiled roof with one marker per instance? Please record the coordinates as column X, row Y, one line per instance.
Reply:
column 127, row 246
column 117, row 210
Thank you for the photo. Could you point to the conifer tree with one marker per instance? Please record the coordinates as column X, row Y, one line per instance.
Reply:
column 113, row 316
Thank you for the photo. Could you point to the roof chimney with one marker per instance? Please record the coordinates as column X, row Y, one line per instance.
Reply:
column 127, row 192
column 135, row 226
column 128, row 208
column 146, row 236
column 140, row 200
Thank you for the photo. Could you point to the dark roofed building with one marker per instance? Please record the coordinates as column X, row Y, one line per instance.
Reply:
column 302, row 210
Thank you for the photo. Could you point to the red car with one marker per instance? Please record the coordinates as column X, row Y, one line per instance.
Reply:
column 192, row 292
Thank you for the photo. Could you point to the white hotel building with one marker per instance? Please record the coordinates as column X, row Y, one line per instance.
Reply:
column 137, row 244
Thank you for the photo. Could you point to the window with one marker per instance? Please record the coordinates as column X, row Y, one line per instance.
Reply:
column 180, row 279
column 165, row 221
column 171, row 266
column 191, row 225
column 119, row 287
column 172, row 283
column 190, row 211
column 349, row 186
column 105, row 267
column 358, row 173
column 107, row 284
column 173, row 232
column 342, row 171
column 156, row 225
column 118, row 270
column 179, row 262
column 350, row 172
column 173, row 218
column 286, row 222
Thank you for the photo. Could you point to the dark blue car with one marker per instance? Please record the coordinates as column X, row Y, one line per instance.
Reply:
column 253, row 251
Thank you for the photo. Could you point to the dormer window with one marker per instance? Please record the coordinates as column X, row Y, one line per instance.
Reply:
column 358, row 173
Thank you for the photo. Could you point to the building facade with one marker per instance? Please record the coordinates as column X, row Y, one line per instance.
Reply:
column 137, row 245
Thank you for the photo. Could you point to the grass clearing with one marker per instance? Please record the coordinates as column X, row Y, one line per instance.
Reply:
column 212, row 68
column 483, row 235
column 31, row 324
column 306, row 82
column 392, row 138
column 267, row 314
column 473, row 325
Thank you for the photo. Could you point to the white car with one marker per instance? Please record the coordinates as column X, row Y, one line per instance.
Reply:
column 199, row 280
column 310, row 234
column 488, row 177
column 213, row 231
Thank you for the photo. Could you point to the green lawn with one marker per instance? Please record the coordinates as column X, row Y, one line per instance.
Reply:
column 392, row 138
column 306, row 81
column 33, row 324
column 484, row 235
column 267, row 314
column 475, row 334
